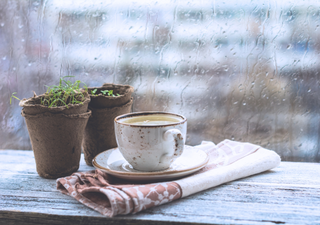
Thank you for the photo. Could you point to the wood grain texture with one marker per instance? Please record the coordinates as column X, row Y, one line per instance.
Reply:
column 288, row 194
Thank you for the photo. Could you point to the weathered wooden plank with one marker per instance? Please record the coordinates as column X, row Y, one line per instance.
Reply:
column 14, row 152
column 286, row 173
column 226, row 198
column 223, row 193
column 231, row 191
column 209, row 214
column 288, row 194
column 283, row 198
column 26, row 219
column 298, row 173
column 185, row 207
column 19, row 157
column 21, row 179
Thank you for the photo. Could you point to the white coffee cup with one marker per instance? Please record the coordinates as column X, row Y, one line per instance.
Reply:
column 150, row 141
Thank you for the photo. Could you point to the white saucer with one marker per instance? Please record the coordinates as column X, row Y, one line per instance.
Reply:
column 112, row 162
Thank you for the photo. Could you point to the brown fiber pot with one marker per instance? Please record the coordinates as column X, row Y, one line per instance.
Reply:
column 56, row 139
column 99, row 133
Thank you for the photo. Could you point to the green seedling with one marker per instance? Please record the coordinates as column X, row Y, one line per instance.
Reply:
column 93, row 92
column 103, row 92
column 107, row 92
column 13, row 96
column 64, row 94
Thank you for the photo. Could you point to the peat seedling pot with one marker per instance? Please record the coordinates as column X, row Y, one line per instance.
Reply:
column 56, row 132
column 99, row 133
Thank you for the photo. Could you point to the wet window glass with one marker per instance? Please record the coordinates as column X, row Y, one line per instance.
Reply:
column 239, row 70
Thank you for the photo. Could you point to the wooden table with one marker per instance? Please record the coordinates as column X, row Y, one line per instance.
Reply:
column 289, row 194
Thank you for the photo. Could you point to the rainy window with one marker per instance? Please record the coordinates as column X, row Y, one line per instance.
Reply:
column 239, row 70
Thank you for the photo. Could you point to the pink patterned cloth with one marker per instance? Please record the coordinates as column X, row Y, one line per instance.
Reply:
column 98, row 191
column 112, row 196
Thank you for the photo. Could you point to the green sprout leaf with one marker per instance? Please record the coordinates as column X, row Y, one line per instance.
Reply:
column 108, row 93
column 13, row 96
column 64, row 94
column 93, row 92
column 104, row 92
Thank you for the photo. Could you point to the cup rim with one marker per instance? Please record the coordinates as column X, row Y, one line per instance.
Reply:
column 142, row 113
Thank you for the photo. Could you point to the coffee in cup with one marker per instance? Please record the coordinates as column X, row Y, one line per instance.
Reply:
column 150, row 141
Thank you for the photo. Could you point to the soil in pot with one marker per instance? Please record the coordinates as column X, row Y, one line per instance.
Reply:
column 32, row 106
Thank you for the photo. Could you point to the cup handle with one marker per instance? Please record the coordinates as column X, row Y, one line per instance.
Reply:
column 178, row 145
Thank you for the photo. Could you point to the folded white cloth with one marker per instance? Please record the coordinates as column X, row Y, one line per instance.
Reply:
column 228, row 161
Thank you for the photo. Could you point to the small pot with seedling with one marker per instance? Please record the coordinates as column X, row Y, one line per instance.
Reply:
column 56, row 121
column 107, row 102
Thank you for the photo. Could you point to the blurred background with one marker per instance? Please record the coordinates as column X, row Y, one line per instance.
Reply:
column 239, row 70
